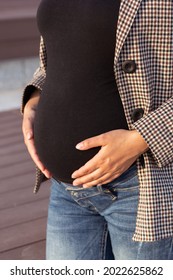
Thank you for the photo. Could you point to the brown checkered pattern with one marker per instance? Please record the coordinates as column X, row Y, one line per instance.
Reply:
column 145, row 35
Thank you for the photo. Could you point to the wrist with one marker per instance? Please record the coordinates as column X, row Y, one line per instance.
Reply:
column 31, row 104
column 33, row 101
column 35, row 93
column 139, row 142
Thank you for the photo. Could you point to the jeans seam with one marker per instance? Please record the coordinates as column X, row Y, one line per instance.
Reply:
column 171, row 249
column 127, row 189
column 103, row 242
column 74, row 189
column 86, row 197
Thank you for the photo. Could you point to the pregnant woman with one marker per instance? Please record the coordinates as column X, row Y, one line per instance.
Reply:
column 79, row 133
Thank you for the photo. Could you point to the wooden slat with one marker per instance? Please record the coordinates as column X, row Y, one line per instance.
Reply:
column 12, row 149
column 10, row 132
column 35, row 251
column 10, row 115
column 11, row 138
column 16, row 169
column 15, row 130
column 18, row 29
column 21, row 156
column 14, row 9
column 8, row 124
column 11, row 141
column 23, row 213
column 23, row 234
column 19, row 197
column 21, row 181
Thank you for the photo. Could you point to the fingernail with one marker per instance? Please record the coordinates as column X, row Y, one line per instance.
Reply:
column 48, row 175
column 29, row 135
column 79, row 146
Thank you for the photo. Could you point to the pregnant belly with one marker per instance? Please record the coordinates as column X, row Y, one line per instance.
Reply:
column 59, row 127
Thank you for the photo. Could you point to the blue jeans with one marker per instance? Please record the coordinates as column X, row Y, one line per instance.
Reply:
column 98, row 223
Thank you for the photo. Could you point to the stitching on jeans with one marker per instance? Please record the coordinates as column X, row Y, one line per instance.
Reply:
column 127, row 189
column 139, row 250
column 103, row 242
column 171, row 250
column 85, row 197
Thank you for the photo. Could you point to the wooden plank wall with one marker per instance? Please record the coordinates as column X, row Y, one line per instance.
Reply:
column 23, row 214
column 19, row 34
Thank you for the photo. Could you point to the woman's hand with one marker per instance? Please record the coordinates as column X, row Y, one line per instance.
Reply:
column 27, row 128
column 119, row 149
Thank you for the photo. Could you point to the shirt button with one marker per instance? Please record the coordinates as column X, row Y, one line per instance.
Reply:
column 129, row 66
column 137, row 114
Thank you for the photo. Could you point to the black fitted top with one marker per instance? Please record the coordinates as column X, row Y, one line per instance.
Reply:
column 80, row 97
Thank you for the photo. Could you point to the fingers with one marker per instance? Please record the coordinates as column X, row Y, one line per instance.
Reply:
column 94, row 180
column 101, row 176
column 33, row 153
column 94, row 172
column 89, row 167
column 96, row 141
column 88, row 178
column 27, row 128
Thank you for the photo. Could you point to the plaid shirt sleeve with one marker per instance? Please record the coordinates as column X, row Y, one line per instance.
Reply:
column 38, row 77
column 157, row 130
